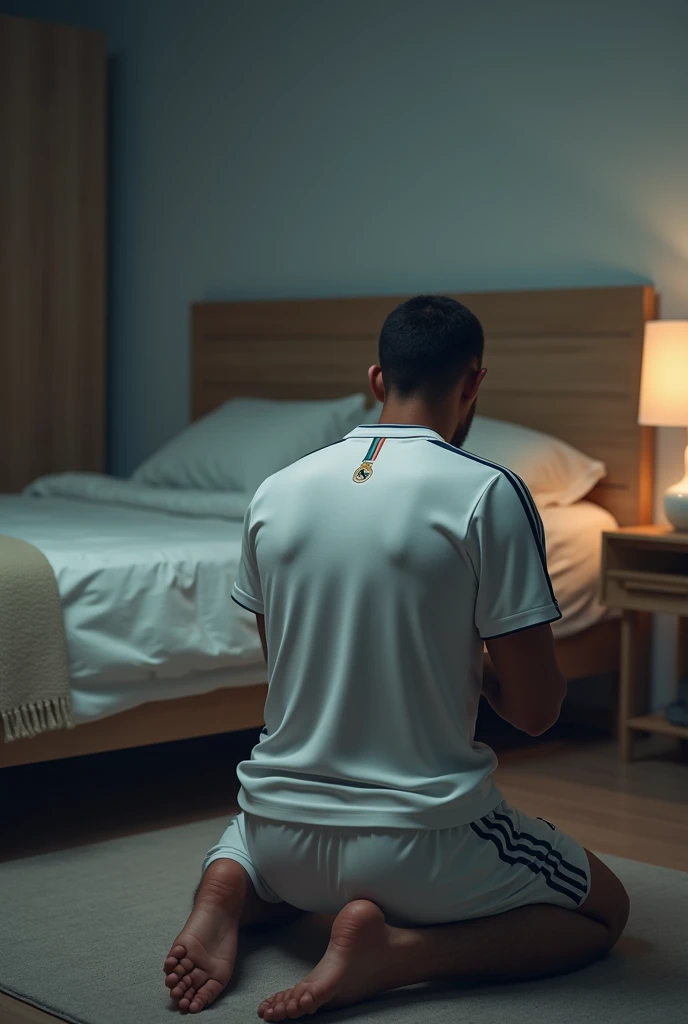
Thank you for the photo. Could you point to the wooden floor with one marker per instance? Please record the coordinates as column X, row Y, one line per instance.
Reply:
column 638, row 810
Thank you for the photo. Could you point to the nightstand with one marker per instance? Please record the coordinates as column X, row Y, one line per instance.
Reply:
column 644, row 570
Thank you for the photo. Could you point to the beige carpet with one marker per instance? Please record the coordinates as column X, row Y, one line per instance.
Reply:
column 83, row 935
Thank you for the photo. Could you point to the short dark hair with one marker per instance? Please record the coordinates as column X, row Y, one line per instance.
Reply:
column 426, row 345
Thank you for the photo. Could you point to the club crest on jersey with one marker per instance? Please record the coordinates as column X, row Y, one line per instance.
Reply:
column 365, row 470
column 363, row 473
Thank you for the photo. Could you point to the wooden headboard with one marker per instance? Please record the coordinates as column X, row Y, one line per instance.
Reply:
column 563, row 361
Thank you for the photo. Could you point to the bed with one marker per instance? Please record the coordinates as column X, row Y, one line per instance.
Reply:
column 567, row 362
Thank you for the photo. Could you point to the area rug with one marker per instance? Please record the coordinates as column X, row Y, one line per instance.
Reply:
column 83, row 935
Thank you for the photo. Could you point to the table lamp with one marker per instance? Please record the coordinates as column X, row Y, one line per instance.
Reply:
column 664, row 398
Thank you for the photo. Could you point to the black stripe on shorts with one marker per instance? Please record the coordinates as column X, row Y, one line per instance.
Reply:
column 553, row 863
column 540, row 842
column 534, row 865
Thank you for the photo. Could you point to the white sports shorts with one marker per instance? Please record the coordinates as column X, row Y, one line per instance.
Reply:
column 417, row 877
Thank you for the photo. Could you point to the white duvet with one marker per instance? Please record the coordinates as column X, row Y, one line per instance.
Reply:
column 145, row 576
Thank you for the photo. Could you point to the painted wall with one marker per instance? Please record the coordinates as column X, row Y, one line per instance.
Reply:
column 270, row 149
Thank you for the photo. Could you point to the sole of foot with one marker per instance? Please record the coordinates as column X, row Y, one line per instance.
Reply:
column 201, row 960
column 349, row 972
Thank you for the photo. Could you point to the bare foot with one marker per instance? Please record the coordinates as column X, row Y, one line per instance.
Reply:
column 201, row 960
column 352, row 969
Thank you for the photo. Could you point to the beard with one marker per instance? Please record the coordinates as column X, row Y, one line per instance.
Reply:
column 462, row 431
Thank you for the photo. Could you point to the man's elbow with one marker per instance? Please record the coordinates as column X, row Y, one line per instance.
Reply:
column 537, row 722
column 537, row 726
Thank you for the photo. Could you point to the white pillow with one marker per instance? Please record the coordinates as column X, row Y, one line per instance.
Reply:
column 554, row 472
column 246, row 440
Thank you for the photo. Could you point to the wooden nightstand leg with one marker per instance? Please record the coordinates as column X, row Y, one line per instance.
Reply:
column 627, row 683
column 682, row 668
column 682, row 653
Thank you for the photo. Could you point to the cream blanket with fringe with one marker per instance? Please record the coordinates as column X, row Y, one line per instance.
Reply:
column 34, row 666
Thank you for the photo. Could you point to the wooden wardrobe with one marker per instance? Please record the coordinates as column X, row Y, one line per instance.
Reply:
column 52, row 250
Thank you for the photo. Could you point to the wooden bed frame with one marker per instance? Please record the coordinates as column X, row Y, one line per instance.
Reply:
column 563, row 361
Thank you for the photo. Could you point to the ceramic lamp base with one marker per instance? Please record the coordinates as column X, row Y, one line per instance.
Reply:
column 676, row 501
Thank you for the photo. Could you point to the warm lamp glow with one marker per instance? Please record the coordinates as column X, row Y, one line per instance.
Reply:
column 664, row 381
column 664, row 398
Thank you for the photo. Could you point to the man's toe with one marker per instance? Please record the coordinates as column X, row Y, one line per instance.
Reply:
column 306, row 1003
column 279, row 1010
column 206, row 995
column 268, row 1008
column 198, row 977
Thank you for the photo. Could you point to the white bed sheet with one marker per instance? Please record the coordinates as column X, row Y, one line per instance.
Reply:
column 574, row 547
column 146, row 595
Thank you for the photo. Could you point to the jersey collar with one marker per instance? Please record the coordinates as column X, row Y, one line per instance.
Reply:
column 401, row 430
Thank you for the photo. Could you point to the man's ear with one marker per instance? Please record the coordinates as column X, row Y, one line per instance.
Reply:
column 376, row 383
column 474, row 379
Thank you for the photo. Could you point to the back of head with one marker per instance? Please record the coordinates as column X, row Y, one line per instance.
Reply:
column 426, row 345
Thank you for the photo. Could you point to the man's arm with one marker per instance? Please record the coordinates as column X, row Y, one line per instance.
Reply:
column 490, row 688
column 526, row 687
column 260, row 619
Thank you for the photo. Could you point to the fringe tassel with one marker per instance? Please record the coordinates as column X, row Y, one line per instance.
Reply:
column 30, row 720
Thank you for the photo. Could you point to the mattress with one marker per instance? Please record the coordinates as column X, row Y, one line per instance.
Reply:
column 146, row 590
column 573, row 536
column 145, row 596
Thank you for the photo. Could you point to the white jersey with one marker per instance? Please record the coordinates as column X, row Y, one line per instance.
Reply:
column 381, row 563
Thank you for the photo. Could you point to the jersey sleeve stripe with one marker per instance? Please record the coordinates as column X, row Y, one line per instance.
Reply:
column 526, row 500
column 538, row 533
column 533, row 507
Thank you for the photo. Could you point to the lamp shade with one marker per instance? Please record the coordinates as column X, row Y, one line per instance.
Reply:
column 664, row 380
